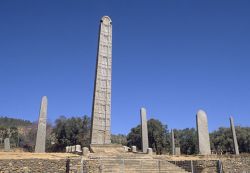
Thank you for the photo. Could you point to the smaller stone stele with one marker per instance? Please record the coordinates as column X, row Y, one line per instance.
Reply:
column 126, row 149
column 73, row 149
column 177, row 151
column 78, row 149
column 150, row 151
column 7, row 144
column 67, row 149
column 70, row 149
column 85, row 151
column 134, row 149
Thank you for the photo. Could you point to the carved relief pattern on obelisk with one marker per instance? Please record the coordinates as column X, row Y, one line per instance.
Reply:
column 101, row 111
column 41, row 130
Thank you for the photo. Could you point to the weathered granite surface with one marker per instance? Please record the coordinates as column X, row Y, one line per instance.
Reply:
column 203, row 135
column 172, row 142
column 101, row 110
column 236, row 146
column 144, row 130
column 177, row 151
column 7, row 144
column 41, row 130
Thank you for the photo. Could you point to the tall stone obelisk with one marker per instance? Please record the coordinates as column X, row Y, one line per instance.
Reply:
column 203, row 134
column 236, row 146
column 144, row 130
column 172, row 142
column 101, row 109
column 41, row 130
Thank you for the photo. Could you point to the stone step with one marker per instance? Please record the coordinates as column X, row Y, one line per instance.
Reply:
column 138, row 165
column 142, row 171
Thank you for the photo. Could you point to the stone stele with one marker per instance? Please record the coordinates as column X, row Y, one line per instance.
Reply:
column 7, row 144
column 78, row 149
column 133, row 148
column 172, row 142
column 202, row 131
column 150, row 151
column 177, row 151
column 85, row 151
column 101, row 109
column 41, row 130
column 144, row 130
column 236, row 147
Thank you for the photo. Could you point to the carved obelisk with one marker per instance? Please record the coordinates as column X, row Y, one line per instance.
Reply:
column 236, row 146
column 101, row 109
column 41, row 130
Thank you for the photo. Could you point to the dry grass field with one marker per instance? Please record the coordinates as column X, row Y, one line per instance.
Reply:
column 28, row 155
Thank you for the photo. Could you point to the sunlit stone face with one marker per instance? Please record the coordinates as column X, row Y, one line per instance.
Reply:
column 106, row 20
column 101, row 111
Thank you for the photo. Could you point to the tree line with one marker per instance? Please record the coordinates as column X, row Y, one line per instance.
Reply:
column 76, row 130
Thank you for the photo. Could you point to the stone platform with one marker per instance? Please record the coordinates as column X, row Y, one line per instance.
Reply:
column 106, row 148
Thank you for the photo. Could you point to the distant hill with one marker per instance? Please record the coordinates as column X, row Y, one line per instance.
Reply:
column 13, row 122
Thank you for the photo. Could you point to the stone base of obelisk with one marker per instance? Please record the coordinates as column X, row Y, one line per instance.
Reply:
column 106, row 148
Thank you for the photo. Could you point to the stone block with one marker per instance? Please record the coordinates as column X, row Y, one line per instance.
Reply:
column 85, row 151
column 78, row 149
column 67, row 149
column 150, row 151
column 73, row 149
column 126, row 149
column 134, row 149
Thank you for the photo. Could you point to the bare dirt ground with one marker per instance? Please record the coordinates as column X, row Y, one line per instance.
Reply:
column 18, row 154
column 28, row 155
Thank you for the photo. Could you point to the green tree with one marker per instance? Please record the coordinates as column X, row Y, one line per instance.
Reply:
column 14, row 137
column 27, row 138
column 13, row 122
column 119, row 139
column 71, row 131
column 243, row 136
column 158, row 136
column 186, row 139
column 221, row 140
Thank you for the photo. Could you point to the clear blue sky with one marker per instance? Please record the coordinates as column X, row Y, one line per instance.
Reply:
column 170, row 56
